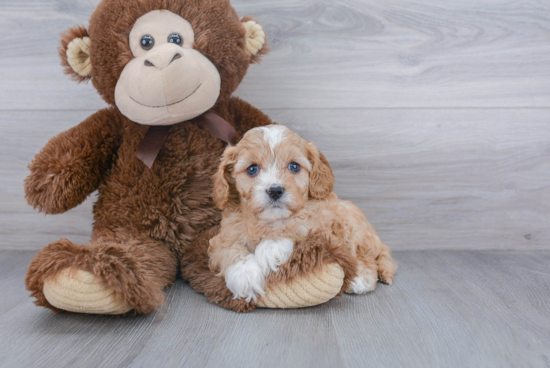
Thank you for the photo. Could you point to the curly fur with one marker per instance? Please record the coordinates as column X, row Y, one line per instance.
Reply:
column 307, row 205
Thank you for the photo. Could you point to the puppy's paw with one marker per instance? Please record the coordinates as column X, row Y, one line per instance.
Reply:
column 362, row 284
column 270, row 254
column 245, row 279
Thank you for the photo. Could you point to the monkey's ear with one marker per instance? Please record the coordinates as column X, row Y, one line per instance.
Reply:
column 255, row 39
column 75, row 53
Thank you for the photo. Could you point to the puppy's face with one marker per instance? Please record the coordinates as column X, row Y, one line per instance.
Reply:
column 272, row 173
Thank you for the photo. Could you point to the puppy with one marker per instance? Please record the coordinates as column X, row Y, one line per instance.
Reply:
column 274, row 188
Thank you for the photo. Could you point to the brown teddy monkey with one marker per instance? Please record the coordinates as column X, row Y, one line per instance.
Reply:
column 167, row 70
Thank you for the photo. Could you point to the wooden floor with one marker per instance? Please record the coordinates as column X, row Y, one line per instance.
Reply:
column 446, row 309
column 435, row 115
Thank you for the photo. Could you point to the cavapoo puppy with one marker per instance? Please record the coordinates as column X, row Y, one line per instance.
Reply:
column 274, row 188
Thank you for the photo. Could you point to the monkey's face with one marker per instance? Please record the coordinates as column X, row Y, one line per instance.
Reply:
column 162, row 62
column 167, row 81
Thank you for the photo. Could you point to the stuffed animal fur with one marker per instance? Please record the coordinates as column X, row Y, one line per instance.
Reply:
column 157, row 63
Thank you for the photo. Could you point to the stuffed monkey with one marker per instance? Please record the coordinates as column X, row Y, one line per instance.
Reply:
column 167, row 69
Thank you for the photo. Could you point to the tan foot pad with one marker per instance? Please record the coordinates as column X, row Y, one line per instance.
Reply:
column 317, row 288
column 79, row 291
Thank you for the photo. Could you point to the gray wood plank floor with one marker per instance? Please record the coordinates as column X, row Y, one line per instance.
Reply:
column 446, row 309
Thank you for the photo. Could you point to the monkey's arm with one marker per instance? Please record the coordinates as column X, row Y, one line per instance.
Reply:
column 72, row 164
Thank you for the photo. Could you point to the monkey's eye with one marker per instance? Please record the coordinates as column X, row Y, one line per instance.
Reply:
column 294, row 167
column 147, row 42
column 175, row 38
column 253, row 170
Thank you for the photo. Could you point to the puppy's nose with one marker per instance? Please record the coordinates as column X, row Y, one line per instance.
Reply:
column 275, row 192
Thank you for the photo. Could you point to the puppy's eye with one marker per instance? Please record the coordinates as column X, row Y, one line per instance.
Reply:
column 147, row 42
column 253, row 170
column 294, row 167
column 175, row 38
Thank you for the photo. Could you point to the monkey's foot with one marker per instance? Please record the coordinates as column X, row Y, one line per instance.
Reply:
column 317, row 288
column 81, row 292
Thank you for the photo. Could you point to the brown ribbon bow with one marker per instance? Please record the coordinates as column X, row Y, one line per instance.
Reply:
column 212, row 123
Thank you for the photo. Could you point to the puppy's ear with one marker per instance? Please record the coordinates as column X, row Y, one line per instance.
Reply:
column 255, row 39
column 75, row 53
column 222, row 178
column 321, row 179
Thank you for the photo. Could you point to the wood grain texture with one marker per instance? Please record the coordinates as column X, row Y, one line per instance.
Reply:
column 451, row 309
column 432, row 179
column 426, row 179
column 435, row 117
column 328, row 53
column 445, row 309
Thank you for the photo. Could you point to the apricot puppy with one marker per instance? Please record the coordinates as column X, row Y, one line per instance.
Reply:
column 274, row 188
